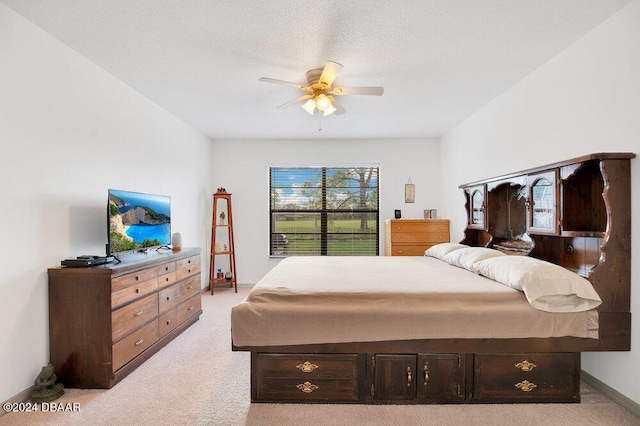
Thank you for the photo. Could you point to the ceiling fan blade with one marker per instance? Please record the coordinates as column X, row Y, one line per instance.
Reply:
column 339, row 108
column 286, row 83
column 330, row 72
column 362, row 90
column 296, row 101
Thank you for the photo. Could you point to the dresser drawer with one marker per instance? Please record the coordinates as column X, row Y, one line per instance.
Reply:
column 408, row 249
column 166, row 268
column 527, row 377
column 130, row 317
column 167, row 279
column 187, row 267
column 420, row 237
column 134, row 344
column 167, row 299
column 132, row 292
column 420, row 226
column 130, row 280
column 188, row 308
column 167, row 322
column 311, row 377
column 188, row 288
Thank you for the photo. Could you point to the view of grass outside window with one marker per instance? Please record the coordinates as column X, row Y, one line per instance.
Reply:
column 319, row 211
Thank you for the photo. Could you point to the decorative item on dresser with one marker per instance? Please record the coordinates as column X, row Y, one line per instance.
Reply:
column 411, row 237
column 222, row 244
column 106, row 320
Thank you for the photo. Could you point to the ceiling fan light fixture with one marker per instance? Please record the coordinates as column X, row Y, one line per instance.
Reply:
column 330, row 110
column 320, row 93
column 309, row 106
column 323, row 102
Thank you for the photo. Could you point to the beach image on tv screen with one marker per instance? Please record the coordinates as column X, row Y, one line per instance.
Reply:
column 138, row 220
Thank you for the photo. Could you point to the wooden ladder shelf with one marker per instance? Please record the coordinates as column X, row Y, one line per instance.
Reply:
column 222, row 268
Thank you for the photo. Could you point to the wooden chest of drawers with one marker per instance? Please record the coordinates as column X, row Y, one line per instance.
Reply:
column 411, row 237
column 104, row 321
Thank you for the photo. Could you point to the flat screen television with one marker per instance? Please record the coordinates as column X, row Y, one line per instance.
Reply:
column 137, row 221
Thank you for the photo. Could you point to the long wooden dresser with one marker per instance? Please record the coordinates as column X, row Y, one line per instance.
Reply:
column 106, row 320
column 411, row 237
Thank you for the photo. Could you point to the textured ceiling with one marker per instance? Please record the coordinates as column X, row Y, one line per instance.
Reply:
column 438, row 60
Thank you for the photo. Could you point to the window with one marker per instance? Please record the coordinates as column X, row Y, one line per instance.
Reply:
column 320, row 211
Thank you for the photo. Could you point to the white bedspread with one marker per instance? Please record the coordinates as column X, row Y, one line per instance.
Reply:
column 305, row 300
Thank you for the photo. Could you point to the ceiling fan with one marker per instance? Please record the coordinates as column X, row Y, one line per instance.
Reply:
column 320, row 93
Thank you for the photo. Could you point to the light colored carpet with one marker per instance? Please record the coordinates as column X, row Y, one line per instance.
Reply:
column 198, row 380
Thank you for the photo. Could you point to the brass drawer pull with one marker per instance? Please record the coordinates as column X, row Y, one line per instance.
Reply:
column 526, row 365
column 526, row 386
column 426, row 373
column 137, row 314
column 307, row 387
column 306, row 367
column 139, row 342
column 409, row 376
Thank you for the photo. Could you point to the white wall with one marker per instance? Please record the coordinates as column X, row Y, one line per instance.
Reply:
column 242, row 167
column 585, row 100
column 69, row 131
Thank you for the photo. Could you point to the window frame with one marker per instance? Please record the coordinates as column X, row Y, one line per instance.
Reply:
column 324, row 211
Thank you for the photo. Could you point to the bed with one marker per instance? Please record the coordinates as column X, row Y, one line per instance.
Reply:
column 466, row 323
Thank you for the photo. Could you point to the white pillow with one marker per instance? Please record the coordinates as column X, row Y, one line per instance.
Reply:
column 440, row 250
column 466, row 257
column 548, row 287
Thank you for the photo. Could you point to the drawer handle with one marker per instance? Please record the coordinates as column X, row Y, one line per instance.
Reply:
column 189, row 270
column 168, row 322
column 426, row 373
column 137, row 277
column 167, row 279
column 526, row 386
column 189, row 261
column 190, row 308
column 166, row 268
column 526, row 365
column 137, row 290
column 307, row 387
column 306, row 367
column 168, row 298
column 139, row 342
column 190, row 287
column 399, row 251
column 409, row 376
column 137, row 314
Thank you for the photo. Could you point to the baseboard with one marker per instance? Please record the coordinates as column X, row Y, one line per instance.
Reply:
column 626, row 403
column 23, row 396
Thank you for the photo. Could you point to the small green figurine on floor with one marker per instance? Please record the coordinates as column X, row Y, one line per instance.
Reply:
column 45, row 388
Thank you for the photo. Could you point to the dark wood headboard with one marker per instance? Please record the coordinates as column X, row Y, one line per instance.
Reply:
column 574, row 213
